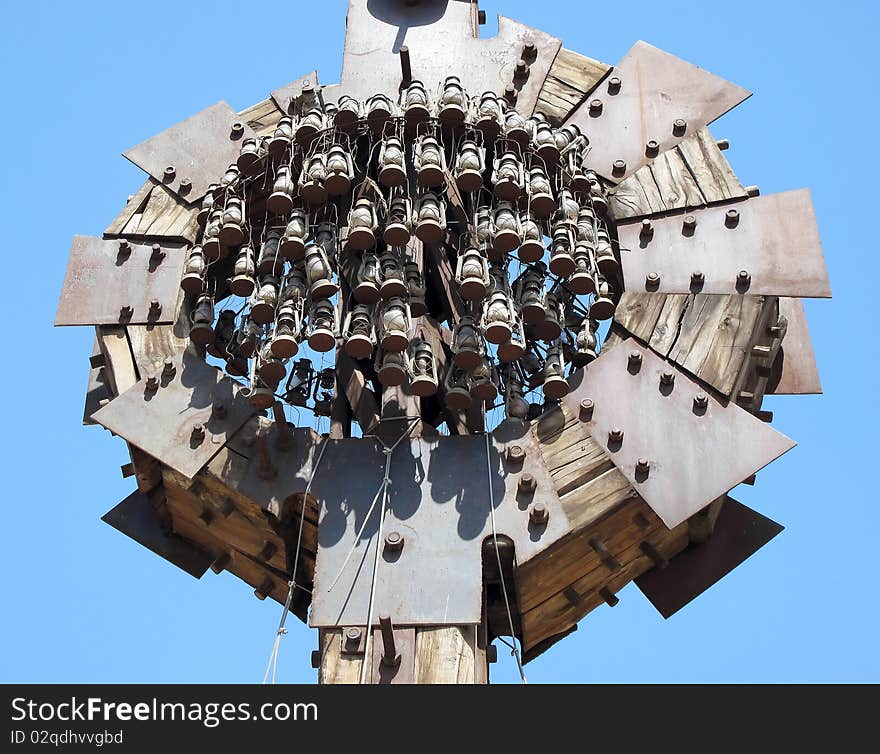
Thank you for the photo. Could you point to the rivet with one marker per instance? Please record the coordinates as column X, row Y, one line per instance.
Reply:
column 527, row 483
column 538, row 513
column 652, row 148
column 615, row 436
column 667, row 378
column 731, row 218
column 529, row 51
column 679, row 126
column 743, row 278
column 515, row 454
column 169, row 173
column 156, row 252
column 185, row 185
column 595, row 107
column 613, row 85
column 585, row 412
column 618, row 168
column 652, row 281
column 697, row 278
column 394, row 541
column 522, row 70
column 647, row 228
column 168, row 368
column 152, row 381
column 701, row 401
column 238, row 128
column 352, row 635
column 635, row 359
column 198, row 432
column 125, row 312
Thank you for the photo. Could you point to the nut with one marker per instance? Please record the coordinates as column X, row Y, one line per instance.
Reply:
column 394, row 541
column 538, row 514
column 515, row 454
column 585, row 412
column 731, row 218
column 679, row 126
column 595, row 107
column 615, row 436
column 613, row 85
column 652, row 148
column 527, row 483
column 667, row 377
column 618, row 167
column 635, row 360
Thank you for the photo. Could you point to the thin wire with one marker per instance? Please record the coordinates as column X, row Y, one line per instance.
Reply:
column 514, row 650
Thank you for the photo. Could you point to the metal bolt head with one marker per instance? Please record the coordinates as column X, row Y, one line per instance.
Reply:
column 615, row 436
column 515, row 454
column 198, row 432
column 679, row 126
column 652, row 280
column 731, row 218
column 510, row 94
column 701, row 401
column 585, row 412
column 527, row 483
column 522, row 69
column 125, row 312
column 170, row 172
column 124, row 246
column 635, row 359
column 529, row 51
column 690, row 222
column 168, row 368
column 643, row 465
column 647, row 228
column 697, row 278
column 238, row 128
column 394, row 541
column 538, row 514
column 743, row 277
column 613, row 85
column 185, row 185
column 618, row 167
column 667, row 377
column 652, row 148
column 595, row 107
column 155, row 306
column 353, row 634
column 152, row 381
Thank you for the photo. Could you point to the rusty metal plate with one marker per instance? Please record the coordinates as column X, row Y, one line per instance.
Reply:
column 161, row 422
column 405, row 645
column 441, row 40
column 739, row 533
column 284, row 94
column 656, row 90
column 694, row 454
column 799, row 374
column 774, row 239
column 439, row 503
column 135, row 518
column 199, row 149
column 97, row 389
column 101, row 279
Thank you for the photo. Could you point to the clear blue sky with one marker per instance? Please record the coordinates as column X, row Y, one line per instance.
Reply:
column 82, row 82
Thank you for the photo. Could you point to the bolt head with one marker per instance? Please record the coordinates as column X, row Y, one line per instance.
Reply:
column 613, row 85
column 152, row 381
column 198, row 431
column 124, row 245
column 690, row 222
column 615, row 435
column 618, row 167
column 652, row 148
column 170, row 171
column 679, row 126
column 168, row 368
column 647, row 227
column 185, row 185
column 652, row 280
column 743, row 277
column 527, row 483
column 635, row 358
column 238, row 128
column 667, row 378
column 697, row 278
column 731, row 218
column 515, row 454
column 538, row 514
column 642, row 465
column 394, row 541
column 701, row 400
column 585, row 412
column 595, row 106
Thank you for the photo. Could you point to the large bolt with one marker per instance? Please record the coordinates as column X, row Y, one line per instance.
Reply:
column 618, row 168
column 152, row 382
column 155, row 307
column 701, row 401
column 125, row 312
column 352, row 638
column 538, row 514
column 527, row 484
column 610, row 598
column 185, row 185
column 731, row 218
column 238, row 128
column 690, row 222
column 529, row 51
column 393, row 541
column 169, row 173
column 515, row 454
column 198, row 432
column 679, row 126
column 615, row 436
column 697, row 278
column 585, row 412
column 667, row 378
column 635, row 360
column 168, row 368
column 743, row 278
column 595, row 107
column 647, row 229
column 652, row 281
column 652, row 148
column 124, row 246
column 522, row 70
column 613, row 85
column 643, row 466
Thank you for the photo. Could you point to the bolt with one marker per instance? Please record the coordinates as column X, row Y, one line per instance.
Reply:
column 697, row 278
column 595, row 107
column 168, row 368
column 170, row 172
column 613, row 85
column 618, row 168
column 667, row 378
column 124, row 246
column 515, row 454
column 238, row 128
column 522, row 70
column 529, row 51
column 538, row 514
column 510, row 94
column 654, row 554
column 643, row 466
column 152, row 382
column 615, row 436
column 731, row 218
column 743, row 278
column 610, row 598
column 185, row 185
column 352, row 635
column 690, row 222
column 394, row 541
column 752, row 191
column 652, row 280
column 198, row 432
column 527, row 483
column 701, row 401
column 647, row 228
column 679, row 126
column 316, row 659
column 155, row 306
column 652, row 148
column 585, row 412
column 125, row 312
column 635, row 360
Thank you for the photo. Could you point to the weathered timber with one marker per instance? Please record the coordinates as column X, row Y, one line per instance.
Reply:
column 571, row 77
column 262, row 117
column 155, row 213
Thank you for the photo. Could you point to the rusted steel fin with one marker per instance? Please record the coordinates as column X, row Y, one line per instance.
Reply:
column 795, row 371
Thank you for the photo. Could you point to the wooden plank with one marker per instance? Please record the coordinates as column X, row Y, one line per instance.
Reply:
column 668, row 325
column 638, row 313
column 156, row 213
column 571, row 77
column 709, row 167
column 447, row 654
column 119, row 369
column 133, row 205
column 637, row 196
column 262, row 117
column 337, row 667
column 674, row 181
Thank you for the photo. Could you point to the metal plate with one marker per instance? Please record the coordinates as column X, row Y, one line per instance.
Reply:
column 775, row 240
column 800, row 375
column 656, row 89
column 100, row 280
column 739, row 533
column 694, row 456
column 97, row 389
column 161, row 422
column 284, row 94
column 441, row 42
column 439, row 503
column 199, row 148
column 135, row 518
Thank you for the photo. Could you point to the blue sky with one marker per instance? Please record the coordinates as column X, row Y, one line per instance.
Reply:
column 83, row 82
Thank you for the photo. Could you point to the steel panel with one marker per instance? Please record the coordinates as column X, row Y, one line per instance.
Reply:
column 800, row 375
column 775, row 240
column 101, row 279
column 656, row 90
column 135, row 518
column 694, row 455
column 441, row 41
column 161, row 422
column 97, row 389
column 739, row 533
column 284, row 94
column 439, row 502
column 199, row 148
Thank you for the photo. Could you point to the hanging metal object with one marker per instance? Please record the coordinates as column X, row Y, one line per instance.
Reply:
column 270, row 367
column 236, row 362
column 550, row 328
column 269, row 261
column 470, row 162
column 515, row 348
column 598, row 196
column 392, row 165
column 392, row 275
column 531, row 247
column 312, row 186
column 193, row 280
column 603, row 306
column 586, row 343
column 265, row 299
column 483, row 229
column 482, row 382
column 323, row 394
column 430, row 218
column 545, row 142
column 319, row 274
column 516, row 128
column 423, row 367
column 201, row 329
column 531, row 295
column 581, row 282
column 358, row 333
column 287, row 328
column 394, row 325
column 508, row 176
column 398, row 222
column 490, row 114
column 280, row 201
column 244, row 273
column 555, row 384
column 565, row 137
column 228, row 181
column 467, row 343
column 306, row 128
column 561, row 251
column 496, row 323
column 295, row 287
column 456, row 387
column 249, row 155
column 347, row 114
column 207, row 205
column 299, row 384
column 605, row 259
column 293, row 242
column 362, row 225
column 322, row 326
column 248, row 337
column 379, row 110
column 224, row 330
column 232, row 222
column 541, row 201
column 578, row 180
column 281, row 138
column 416, row 105
column 392, row 368
column 368, row 278
column 340, row 171
column 567, row 211
column 472, row 275
column 415, row 287
column 429, row 162
column 506, row 231
column 515, row 404
column 453, row 102
column 211, row 246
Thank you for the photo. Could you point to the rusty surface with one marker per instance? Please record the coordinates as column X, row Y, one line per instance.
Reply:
column 199, row 148
column 441, row 41
column 739, row 533
column 97, row 389
column 656, row 89
column 164, row 422
column 135, row 518
column 101, row 280
column 694, row 454
column 774, row 239
column 799, row 374
column 439, row 503
column 405, row 646
column 284, row 94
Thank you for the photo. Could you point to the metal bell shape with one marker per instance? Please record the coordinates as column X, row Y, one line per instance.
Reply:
column 264, row 301
column 358, row 335
column 347, row 114
column 453, row 101
column 508, row 177
column 554, row 319
column 489, row 115
column 193, row 280
column 472, row 275
column 287, row 326
column 514, row 348
column 280, row 201
column 429, row 162
column 423, row 365
column 211, row 246
column 319, row 274
column 605, row 259
column 269, row 261
column 311, row 182
column 506, row 230
column 309, row 125
column 586, row 343
column 340, row 171
column 392, row 169
column 483, row 228
column 243, row 281
column 469, row 166
column 540, row 193
column 322, row 326
column 598, row 198
column 555, row 384
column 224, row 332
column 545, row 141
column 207, row 205
column 531, row 295
column 281, row 137
column 515, row 404
column 270, row 367
column 515, row 128
column 531, row 248
column 457, row 389
column 249, row 154
column 580, row 282
column 467, row 343
column 379, row 111
column 362, row 224
column 482, row 382
column 293, row 242
column 395, row 324
column 202, row 321
column 392, row 275
column 232, row 222
column 603, row 306
column 392, row 368
column 431, row 218
column 398, row 222
column 496, row 318
column 561, row 252
column 366, row 289
column 415, row 103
